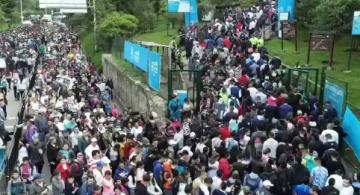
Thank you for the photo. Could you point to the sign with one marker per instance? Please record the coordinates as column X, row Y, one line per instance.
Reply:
column 356, row 23
column 351, row 126
column 289, row 30
column 284, row 16
column 192, row 16
column 335, row 94
column 57, row 4
column 286, row 6
column 136, row 55
column 178, row 6
column 127, row 54
column 154, row 73
column 321, row 42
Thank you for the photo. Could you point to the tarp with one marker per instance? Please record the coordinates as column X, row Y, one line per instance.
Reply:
column 336, row 95
column 178, row 6
column 136, row 55
column 192, row 17
column 356, row 24
column 351, row 126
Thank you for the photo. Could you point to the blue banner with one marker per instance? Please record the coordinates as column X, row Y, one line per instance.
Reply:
column 356, row 24
column 351, row 126
column 192, row 17
column 136, row 55
column 154, row 74
column 127, row 51
column 335, row 94
column 178, row 6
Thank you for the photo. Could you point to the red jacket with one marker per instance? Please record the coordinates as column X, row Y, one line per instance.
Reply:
column 227, row 43
column 225, row 132
column 65, row 173
column 225, row 168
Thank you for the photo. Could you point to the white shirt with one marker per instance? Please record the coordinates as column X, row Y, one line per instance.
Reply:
column 136, row 131
column 338, row 181
column 334, row 136
column 98, row 177
column 272, row 144
column 216, row 184
column 89, row 149
column 179, row 138
column 347, row 191
column 139, row 174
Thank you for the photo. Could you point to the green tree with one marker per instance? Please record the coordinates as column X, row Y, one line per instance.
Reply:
column 116, row 23
column 335, row 15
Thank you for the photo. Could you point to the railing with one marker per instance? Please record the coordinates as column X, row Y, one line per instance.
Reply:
column 11, row 155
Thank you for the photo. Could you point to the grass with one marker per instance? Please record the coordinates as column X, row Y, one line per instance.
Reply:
column 158, row 35
column 290, row 57
column 87, row 42
column 130, row 70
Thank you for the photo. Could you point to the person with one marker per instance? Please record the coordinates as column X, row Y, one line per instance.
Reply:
column 302, row 189
column 318, row 175
column 38, row 186
column 347, row 187
column 27, row 170
column 71, row 187
column 108, row 184
column 57, row 184
column 265, row 188
column 153, row 188
column 87, row 188
column 15, row 185
column 330, row 189
column 141, row 186
column 36, row 154
column 21, row 87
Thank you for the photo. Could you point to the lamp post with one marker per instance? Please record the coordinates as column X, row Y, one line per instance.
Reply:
column 21, row 12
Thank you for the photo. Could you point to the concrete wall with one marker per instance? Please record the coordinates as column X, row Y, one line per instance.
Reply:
column 131, row 93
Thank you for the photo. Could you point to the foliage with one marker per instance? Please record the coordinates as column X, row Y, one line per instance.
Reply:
column 306, row 12
column 327, row 15
column 335, row 14
column 118, row 23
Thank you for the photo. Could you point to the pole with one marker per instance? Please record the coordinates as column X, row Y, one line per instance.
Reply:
column 309, row 48
column 94, row 12
column 322, row 85
column 296, row 37
column 282, row 35
column 350, row 53
column 21, row 12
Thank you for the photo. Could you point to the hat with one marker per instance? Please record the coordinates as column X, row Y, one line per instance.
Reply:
column 268, row 183
column 192, row 135
column 312, row 124
column 100, row 164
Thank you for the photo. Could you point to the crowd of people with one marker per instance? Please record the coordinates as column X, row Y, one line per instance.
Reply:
column 250, row 136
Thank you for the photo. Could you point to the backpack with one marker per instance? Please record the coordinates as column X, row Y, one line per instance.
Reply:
column 252, row 183
column 17, row 188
